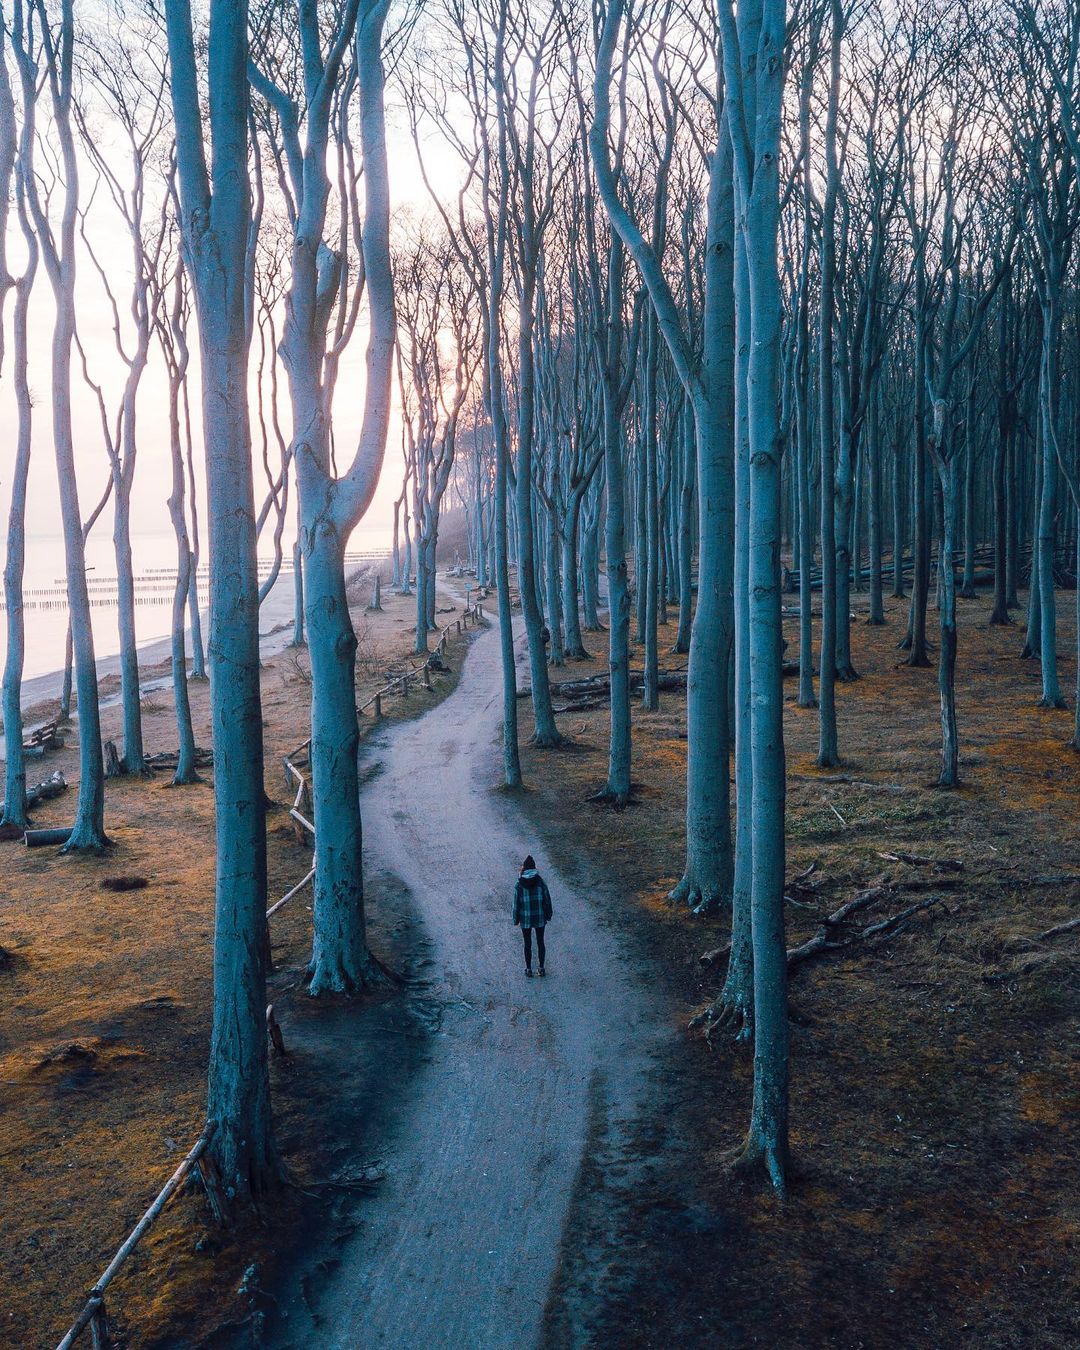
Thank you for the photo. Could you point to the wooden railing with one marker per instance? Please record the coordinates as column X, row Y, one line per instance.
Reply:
column 93, row 1312
column 422, row 671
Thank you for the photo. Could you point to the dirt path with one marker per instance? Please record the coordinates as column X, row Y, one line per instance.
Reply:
column 460, row 1244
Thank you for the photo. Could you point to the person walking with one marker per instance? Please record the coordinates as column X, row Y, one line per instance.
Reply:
column 532, row 911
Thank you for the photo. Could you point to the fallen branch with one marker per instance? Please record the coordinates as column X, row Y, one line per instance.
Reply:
column 846, row 779
column 914, row 860
column 826, row 939
column 1060, row 928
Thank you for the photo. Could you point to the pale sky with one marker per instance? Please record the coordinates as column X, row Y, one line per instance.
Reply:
column 153, row 474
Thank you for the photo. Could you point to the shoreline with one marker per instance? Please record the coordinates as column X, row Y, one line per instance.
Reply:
column 275, row 610
column 276, row 615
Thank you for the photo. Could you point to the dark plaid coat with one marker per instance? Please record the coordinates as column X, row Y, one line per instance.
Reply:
column 532, row 901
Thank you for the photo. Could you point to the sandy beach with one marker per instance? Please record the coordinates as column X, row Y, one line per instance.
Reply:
column 275, row 632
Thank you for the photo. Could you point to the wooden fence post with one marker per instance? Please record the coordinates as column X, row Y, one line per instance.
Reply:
column 378, row 706
column 99, row 1331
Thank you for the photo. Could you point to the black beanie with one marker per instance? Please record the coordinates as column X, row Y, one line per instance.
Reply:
column 529, row 864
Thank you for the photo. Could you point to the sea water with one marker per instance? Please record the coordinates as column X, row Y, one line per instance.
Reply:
column 154, row 564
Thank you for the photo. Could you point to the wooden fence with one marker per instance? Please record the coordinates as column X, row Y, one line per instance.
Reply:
column 93, row 1311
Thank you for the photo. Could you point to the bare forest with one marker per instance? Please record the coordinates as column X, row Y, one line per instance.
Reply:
column 606, row 470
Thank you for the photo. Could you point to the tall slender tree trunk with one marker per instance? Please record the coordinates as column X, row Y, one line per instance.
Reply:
column 1049, row 393
column 568, row 534
column 873, row 465
column 15, row 562
column 617, row 788
column 546, row 733
column 737, row 996
column 651, row 692
column 944, row 460
column 845, row 501
column 687, row 493
column 898, row 532
column 757, row 164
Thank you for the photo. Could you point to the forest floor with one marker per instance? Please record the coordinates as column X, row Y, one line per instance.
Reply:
column 105, row 1000
column 935, row 1079
column 935, row 1100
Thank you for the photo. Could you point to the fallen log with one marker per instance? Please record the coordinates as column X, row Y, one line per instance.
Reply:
column 45, row 791
column 43, row 838
column 168, row 759
column 599, row 686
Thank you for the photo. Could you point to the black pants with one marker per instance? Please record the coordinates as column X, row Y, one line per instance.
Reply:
column 527, row 933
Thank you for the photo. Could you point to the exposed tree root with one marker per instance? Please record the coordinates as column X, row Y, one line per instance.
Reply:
column 607, row 796
column 1055, row 704
column 731, row 1013
column 333, row 977
column 698, row 899
column 90, row 843
column 756, row 1156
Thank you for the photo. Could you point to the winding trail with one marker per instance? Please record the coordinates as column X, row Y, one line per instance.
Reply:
column 460, row 1244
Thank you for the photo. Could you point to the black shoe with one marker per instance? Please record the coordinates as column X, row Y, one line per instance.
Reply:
column 542, row 971
column 528, row 972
